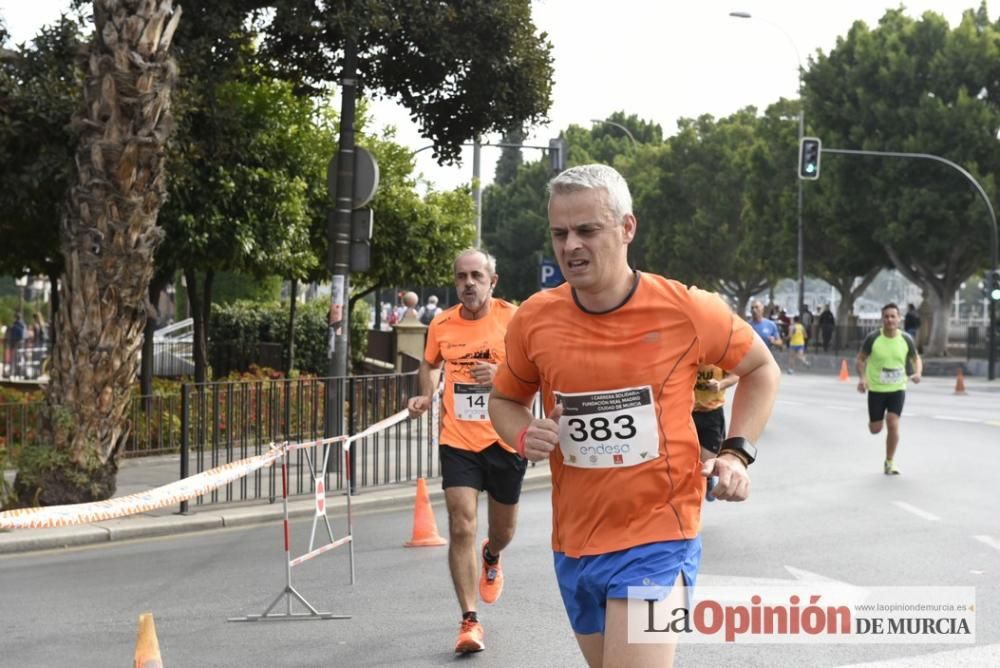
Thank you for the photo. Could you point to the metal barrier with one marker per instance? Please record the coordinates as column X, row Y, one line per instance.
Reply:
column 156, row 425
column 228, row 421
column 23, row 360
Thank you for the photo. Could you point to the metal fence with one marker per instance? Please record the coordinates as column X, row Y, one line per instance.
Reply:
column 22, row 360
column 227, row 421
column 216, row 423
column 155, row 420
column 968, row 341
column 171, row 359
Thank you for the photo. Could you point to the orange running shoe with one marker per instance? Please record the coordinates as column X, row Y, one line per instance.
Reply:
column 490, row 580
column 470, row 637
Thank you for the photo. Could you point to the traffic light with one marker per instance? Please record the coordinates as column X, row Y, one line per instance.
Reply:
column 809, row 152
column 993, row 285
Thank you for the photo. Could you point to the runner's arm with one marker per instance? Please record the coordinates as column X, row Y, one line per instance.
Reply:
column 509, row 416
column 860, row 365
column 918, row 368
column 428, row 376
column 758, row 376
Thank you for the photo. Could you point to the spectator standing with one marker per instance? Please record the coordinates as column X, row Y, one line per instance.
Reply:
column 39, row 341
column 827, row 323
column 429, row 310
column 911, row 322
column 15, row 338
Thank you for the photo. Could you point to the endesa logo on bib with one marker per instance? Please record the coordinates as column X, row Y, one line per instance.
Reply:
column 613, row 428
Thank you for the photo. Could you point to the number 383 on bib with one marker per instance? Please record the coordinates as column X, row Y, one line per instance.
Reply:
column 608, row 429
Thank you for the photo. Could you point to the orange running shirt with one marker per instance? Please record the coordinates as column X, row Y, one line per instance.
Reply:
column 461, row 343
column 627, row 471
column 704, row 398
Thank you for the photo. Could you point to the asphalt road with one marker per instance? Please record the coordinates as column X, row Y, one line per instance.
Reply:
column 820, row 506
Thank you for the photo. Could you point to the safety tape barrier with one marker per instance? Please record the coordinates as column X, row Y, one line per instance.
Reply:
column 173, row 493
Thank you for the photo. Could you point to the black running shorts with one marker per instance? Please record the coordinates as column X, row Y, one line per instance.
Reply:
column 494, row 469
column 880, row 403
column 711, row 426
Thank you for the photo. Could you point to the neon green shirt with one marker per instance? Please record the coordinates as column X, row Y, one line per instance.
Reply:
column 885, row 368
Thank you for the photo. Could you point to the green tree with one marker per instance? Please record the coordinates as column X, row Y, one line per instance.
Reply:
column 40, row 88
column 415, row 239
column 462, row 69
column 915, row 85
column 515, row 228
column 719, row 204
column 248, row 186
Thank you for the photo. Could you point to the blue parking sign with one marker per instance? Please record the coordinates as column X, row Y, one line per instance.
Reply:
column 549, row 275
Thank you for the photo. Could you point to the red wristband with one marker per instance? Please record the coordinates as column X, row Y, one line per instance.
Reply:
column 521, row 436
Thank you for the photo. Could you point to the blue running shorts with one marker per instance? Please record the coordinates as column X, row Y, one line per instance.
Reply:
column 588, row 582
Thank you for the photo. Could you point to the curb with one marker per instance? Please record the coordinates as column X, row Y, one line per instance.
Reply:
column 213, row 518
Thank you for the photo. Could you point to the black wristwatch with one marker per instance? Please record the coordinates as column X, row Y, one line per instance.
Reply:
column 741, row 447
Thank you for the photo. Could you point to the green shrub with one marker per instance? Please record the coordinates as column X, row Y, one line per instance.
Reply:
column 248, row 324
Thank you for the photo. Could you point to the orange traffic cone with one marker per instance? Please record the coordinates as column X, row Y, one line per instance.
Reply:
column 960, row 382
column 425, row 531
column 147, row 647
column 844, row 376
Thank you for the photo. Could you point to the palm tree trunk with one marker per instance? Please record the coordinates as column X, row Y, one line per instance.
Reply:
column 109, row 236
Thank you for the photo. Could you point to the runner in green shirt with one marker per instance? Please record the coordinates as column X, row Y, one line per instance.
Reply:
column 882, row 372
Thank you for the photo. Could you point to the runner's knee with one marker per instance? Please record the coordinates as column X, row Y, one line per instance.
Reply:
column 875, row 427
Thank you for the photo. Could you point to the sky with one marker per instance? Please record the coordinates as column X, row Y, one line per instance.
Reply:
column 661, row 60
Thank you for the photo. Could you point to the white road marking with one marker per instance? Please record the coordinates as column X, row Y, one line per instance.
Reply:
column 989, row 540
column 922, row 514
column 784, row 402
column 949, row 418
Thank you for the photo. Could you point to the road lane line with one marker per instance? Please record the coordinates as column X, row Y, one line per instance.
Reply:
column 989, row 540
column 922, row 514
column 956, row 419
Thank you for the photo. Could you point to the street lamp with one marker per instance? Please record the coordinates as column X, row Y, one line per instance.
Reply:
column 802, row 123
column 621, row 127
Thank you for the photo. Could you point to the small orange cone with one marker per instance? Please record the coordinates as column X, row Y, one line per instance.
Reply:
column 844, row 376
column 425, row 531
column 147, row 647
column 960, row 382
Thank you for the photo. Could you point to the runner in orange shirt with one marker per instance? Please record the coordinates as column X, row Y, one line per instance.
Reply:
column 619, row 351
column 468, row 340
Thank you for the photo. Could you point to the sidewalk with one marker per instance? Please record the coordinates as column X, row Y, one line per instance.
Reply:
column 137, row 475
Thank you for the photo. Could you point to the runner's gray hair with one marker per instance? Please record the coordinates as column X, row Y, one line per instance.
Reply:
column 491, row 262
column 588, row 177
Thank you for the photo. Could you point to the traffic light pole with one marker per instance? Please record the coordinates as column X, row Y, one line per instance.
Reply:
column 800, row 252
column 994, row 244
